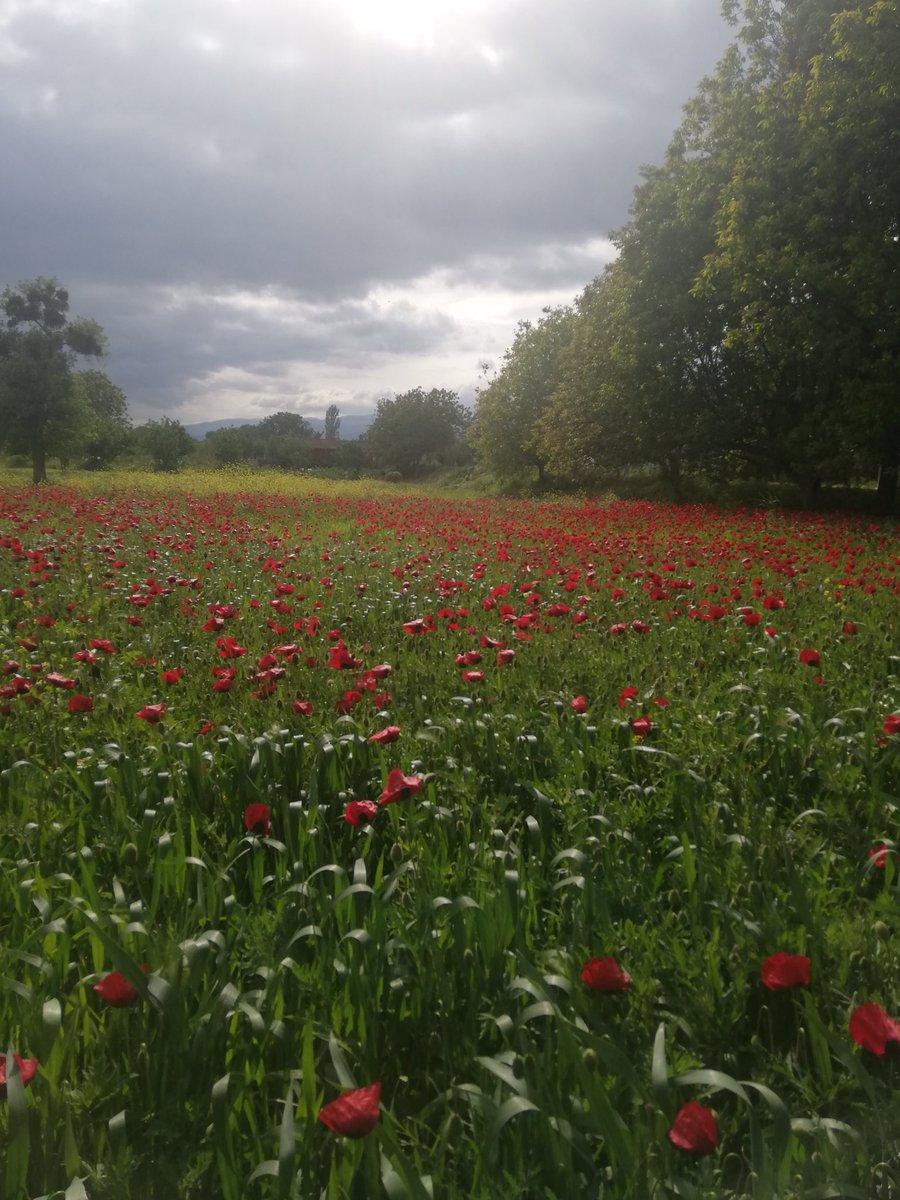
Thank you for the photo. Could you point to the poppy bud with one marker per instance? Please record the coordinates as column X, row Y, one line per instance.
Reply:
column 590, row 1059
column 883, row 931
column 130, row 854
column 396, row 854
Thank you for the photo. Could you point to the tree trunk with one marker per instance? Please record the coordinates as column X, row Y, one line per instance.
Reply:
column 889, row 461
column 38, row 465
column 886, row 492
column 810, row 490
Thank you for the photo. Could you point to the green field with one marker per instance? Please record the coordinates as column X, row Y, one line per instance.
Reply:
column 658, row 735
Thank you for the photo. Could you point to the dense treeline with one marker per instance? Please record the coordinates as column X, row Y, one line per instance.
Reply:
column 750, row 325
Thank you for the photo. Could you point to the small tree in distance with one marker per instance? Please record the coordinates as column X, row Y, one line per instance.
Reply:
column 167, row 442
column 332, row 421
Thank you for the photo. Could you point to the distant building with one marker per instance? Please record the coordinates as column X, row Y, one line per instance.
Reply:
column 325, row 451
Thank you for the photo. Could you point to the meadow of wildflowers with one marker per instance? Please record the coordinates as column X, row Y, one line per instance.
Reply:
column 409, row 846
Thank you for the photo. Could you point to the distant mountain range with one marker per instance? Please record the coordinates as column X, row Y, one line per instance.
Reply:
column 352, row 425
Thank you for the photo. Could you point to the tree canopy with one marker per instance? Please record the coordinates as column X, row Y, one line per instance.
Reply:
column 166, row 441
column 42, row 412
column 505, row 433
column 418, row 430
column 107, row 427
column 751, row 322
column 282, row 440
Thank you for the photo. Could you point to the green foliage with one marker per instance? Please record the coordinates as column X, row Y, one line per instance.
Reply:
column 504, row 432
column 749, row 327
column 166, row 442
column 41, row 412
column 332, row 422
column 107, row 427
column 418, row 430
column 438, row 950
column 282, row 440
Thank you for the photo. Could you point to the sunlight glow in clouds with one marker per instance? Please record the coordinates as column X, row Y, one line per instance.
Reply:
column 406, row 22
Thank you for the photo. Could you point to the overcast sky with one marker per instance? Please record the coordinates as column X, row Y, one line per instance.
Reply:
column 282, row 204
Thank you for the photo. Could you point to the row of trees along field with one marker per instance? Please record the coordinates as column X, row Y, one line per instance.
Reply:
column 50, row 408
column 750, row 325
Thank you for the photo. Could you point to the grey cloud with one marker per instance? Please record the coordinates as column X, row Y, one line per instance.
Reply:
column 228, row 149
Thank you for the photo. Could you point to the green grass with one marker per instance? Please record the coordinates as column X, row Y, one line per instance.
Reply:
column 439, row 950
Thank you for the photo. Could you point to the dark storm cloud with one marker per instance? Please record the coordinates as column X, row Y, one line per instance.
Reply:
column 223, row 184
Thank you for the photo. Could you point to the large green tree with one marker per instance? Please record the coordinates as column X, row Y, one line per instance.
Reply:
column 41, row 412
column 851, row 123
column 751, row 324
column 107, row 428
column 645, row 377
column 166, row 441
column 789, row 315
column 504, row 432
column 418, row 430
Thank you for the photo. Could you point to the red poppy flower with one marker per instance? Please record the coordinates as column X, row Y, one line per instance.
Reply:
column 579, row 704
column 256, row 819
column 340, row 659
column 151, row 713
column 604, row 975
column 616, row 630
column 80, row 704
column 399, row 786
column 891, row 724
column 26, row 1066
column 115, row 990
column 384, row 737
column 171, row 677
column 505, row 657
column 782, row 971
column 472, row 676
column 694, row 1129
column 872, row 1028
column 207, row 727
column 641, row 726
column 489, row 643
column 102, row 644
column 850, row 628
column 471, row 658
column 879, row 855
column 355, row 1113
column 381, row 671
column 61, row 681
column 810, row 658
column 228, row 648
column 303, row 707
column 358, row 811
